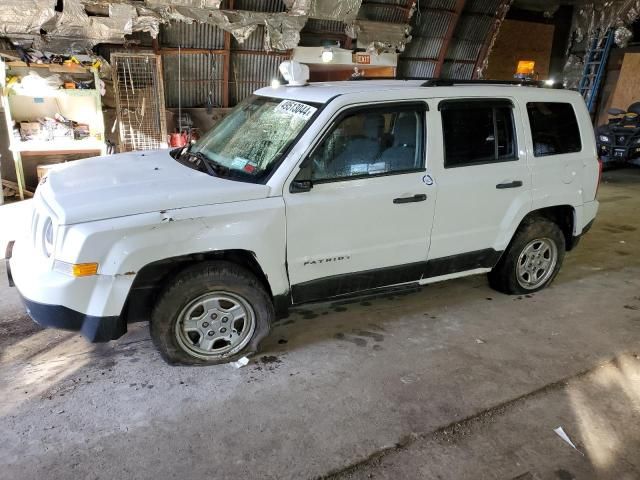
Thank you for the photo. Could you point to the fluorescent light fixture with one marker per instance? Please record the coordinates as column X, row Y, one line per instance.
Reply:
column 327, row 55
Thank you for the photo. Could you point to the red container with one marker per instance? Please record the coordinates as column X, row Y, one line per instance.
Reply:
column 177, row 140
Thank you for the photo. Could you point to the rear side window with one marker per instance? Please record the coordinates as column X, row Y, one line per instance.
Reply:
column 477, row 132
column 554, row 128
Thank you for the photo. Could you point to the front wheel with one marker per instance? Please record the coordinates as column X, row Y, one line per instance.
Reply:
column 532, row 260
column 212, row 313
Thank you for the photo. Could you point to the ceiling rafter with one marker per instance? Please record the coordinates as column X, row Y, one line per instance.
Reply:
column 446, row 41
column 490, row 38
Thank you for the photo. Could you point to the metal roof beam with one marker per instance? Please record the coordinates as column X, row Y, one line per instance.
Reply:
column 488, row 42
column 446, row 41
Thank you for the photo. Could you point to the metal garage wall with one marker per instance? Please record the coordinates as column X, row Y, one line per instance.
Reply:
column 195, row 35
column 250, row 72
column 449, row 37
column 202, row 75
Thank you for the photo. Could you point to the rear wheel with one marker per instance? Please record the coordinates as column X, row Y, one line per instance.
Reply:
column 212, row 313
column 532, row 260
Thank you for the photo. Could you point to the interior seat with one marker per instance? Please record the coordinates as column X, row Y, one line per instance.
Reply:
column 361, row 150
column 402, row 154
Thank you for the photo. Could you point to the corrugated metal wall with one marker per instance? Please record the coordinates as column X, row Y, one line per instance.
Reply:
column 250, row 72
column 201, row 79
column 195, row 35
column 251, row 67
column 430, row 24
column 260, row 5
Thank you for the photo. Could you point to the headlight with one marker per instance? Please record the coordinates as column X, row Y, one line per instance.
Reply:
column 637, row 141
column 604, row 138
column 47, row 239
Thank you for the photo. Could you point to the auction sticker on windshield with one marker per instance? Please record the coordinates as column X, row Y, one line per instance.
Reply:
column 296, row 109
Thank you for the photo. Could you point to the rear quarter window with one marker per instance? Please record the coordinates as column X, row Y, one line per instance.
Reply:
column 554, row 128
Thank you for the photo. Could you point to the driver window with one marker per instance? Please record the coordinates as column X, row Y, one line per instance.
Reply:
column 370, row 143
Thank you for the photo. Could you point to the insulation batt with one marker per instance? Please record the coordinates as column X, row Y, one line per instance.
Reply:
column 185, row 3
column 378, row 36
column 591, row 22
column 282, row 30
column 73, row 21
column 345, row 10
column 25, row 16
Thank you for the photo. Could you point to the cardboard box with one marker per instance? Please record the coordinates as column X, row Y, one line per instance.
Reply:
column 30, row 130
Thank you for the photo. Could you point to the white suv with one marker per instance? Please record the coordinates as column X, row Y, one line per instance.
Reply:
column 311, row 193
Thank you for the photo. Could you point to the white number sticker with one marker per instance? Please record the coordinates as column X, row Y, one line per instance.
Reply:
column 295, row 109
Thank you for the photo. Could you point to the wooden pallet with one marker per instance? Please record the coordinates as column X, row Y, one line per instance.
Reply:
column 10, row 189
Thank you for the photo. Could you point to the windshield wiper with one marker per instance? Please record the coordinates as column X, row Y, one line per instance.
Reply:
column 203, row 161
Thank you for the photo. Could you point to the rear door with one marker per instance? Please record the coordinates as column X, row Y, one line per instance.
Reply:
column 484, row 183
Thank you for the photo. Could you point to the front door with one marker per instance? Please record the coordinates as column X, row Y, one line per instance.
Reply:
column 365, row 221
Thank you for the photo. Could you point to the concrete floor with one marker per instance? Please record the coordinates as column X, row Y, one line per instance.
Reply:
column 451, row 381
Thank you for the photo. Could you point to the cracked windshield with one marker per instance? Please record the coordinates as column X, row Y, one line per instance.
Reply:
column 249, row 142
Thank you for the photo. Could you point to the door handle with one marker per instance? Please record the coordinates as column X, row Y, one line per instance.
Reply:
column 421, row 197
column 514, row 184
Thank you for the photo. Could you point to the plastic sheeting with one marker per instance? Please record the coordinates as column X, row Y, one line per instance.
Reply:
column 594, row 19
column 345, row 10
column 25, row 16
column 185, row 3
column 591, row 22
column 74, row 22
column 621, row 36
column 282, row 30
column 147, row 20
column 379, row 37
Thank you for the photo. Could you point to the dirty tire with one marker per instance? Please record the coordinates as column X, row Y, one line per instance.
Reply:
column 504, row 278
column 192, row 283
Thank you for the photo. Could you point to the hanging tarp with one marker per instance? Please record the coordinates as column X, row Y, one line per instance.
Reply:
column 147, row 20
column 184, row 3
column 594, row 19
column 591, row 22
column 282, row 30
column 25, row 16
column 74, row 22
column 379, row 37
column 344, row 10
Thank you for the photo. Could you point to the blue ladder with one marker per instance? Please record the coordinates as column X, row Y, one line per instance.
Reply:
column 594, row 68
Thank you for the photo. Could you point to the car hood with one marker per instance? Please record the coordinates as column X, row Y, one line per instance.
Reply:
column 132, row 183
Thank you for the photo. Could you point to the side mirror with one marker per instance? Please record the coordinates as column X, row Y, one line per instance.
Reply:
column 299, row 186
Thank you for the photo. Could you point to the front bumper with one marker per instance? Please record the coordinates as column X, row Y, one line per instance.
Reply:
column 94, row 329
column 43, row 293
column 625, row 153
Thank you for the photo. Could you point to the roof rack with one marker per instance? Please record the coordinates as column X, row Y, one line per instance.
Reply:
column 442, row 82
column 445, row 82
column 358, row 79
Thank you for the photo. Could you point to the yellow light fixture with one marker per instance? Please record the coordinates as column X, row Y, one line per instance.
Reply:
column 526, row 67
column 76, row 269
